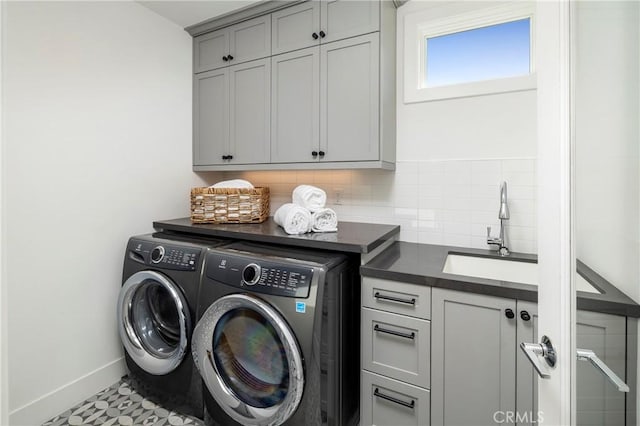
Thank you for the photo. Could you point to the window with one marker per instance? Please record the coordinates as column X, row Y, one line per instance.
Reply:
column 480, row 52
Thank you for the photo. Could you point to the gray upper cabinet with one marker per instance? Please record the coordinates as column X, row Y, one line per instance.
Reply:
column 472, row 358
column 209, row 50
column 331, row 93
column 211, row 117
column 238, row 43
column 349, row 99
column 295, row 106
column 348, row 18
column 326, row 103
column 295, row 27
column 232, row 114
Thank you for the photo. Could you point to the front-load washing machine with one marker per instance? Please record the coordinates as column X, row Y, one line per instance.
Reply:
column 277, row 340
column 156, row 314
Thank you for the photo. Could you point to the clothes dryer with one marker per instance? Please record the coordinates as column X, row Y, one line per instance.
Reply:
column 156, row 313
column 277, row 341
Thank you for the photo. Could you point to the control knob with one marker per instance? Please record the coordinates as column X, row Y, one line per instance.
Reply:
column 251, row 274
column 157, row 254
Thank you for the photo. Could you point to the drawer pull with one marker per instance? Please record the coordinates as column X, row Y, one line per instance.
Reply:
column 411, row 404
column 395, row 333
column 395, row 299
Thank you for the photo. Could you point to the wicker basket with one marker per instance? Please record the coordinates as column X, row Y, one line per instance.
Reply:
column 229, row 205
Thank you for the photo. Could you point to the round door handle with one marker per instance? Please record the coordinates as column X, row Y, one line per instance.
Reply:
column 322, row 34
column 525, row 315
column 314, row 153
column 224, row 58
column 315, row 36
column 321, row 153
column 230, row 57
column 509, row 313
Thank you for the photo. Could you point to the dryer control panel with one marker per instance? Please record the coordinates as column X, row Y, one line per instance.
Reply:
column 164, row 255
column 260, row 275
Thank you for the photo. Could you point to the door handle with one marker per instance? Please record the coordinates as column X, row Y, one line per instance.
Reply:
column 544, row 349
column 589, row 355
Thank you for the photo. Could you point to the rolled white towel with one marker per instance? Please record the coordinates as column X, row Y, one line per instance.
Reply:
column 309, row 197
column 233, row 183
column 324, row 220
column 293, row 218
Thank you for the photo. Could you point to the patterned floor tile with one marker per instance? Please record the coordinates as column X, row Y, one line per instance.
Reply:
column 120, row 405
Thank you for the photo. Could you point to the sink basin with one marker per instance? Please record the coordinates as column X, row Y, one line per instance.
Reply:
column 502, row 270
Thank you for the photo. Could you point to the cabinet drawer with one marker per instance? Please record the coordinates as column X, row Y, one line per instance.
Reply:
column 396, row 346
column 397, row 297
column 386, row 401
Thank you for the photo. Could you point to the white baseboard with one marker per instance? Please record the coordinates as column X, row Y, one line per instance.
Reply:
column 65, row 397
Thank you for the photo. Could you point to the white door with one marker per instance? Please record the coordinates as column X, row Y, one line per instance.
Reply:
column 556, row 297
column 588, row 180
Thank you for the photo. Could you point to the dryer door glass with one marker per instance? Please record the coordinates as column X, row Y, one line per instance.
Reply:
column 250, row 358
column 154, row 322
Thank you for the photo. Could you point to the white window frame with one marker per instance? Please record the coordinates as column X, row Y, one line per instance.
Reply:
column 419, row 26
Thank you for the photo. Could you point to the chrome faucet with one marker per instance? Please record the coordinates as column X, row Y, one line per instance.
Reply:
column 503, row 214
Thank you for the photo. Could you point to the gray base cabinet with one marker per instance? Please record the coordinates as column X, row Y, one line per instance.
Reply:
column 388, row 402
column 396, row 351
column 598, row 402
column 478, row 370
column 472, row 358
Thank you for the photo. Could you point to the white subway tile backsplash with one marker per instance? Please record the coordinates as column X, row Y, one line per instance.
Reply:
column 438, row 202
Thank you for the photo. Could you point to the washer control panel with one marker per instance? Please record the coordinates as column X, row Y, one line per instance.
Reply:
column 165, row 256
column 260, row 275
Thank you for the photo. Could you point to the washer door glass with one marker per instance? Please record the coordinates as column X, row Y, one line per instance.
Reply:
column 249, row 359
column 153, row 322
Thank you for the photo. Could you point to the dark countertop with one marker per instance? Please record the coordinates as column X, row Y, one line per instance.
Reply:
column 351, row 237
column 422, row 264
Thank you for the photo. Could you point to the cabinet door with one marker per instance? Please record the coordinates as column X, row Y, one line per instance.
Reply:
column 348, row 18
column 472, row 358
column 293, row 28
column 598, row 402
column 526, row 376
column 388, row 402
column 249, row 112
column 210, row 116
column 295, row 111
column 250, row 40
column 209, row 49
column 349, row 101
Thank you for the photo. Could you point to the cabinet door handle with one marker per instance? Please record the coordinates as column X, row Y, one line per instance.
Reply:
column 314, row 153
column 315, row 36
column 525, row 315
column 224, row 157
column 509, row 313
column 229, row 157
column 379, row 394
column 321, row 153
column 411, row 335
column 411, row 301
column 322, row 34
column 230, row 57
column 589, row 355
column 224, row 58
